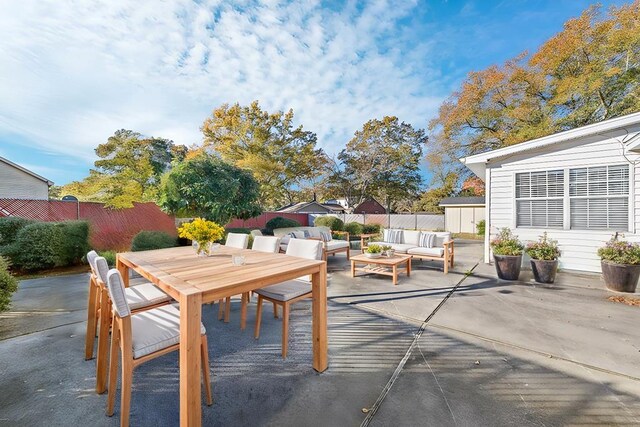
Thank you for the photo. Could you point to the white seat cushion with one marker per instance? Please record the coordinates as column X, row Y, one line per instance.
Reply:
column 155, row 330
column 144, row 295
column 286, row 291
column 426, row 251
column 398, row 247
column 336, row 244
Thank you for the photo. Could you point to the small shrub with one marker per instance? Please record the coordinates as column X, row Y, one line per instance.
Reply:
column 353, row 228
column 480, row 226
column 38, row 246
column 280, row 222
column 150, row 240
column 334, row 223
column 544, row 249
column 374, row 249
column 371, row 229
column 620, row 252
column 75, row 241
column 9, row 228
column 506, row 243
column 110, row 256
column 239, row 230
column 266, row 232
column 8, row 284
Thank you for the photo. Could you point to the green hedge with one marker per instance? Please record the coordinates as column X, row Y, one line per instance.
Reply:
column 9, row 228
column 334, row 223
column 8, row 284
column 280, row 222
column 371, row 229
column 150, row 240
column 480, row 227
column 353, row 228
column 42, row 245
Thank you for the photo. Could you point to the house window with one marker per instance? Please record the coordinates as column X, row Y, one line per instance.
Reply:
column 540, row 199
column 599, row 198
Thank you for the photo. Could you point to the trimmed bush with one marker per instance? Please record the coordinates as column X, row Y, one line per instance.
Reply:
column 353, row 228
column 371, row 229
column 239, row 230
column 38, row 246
column 334, row 223
column 110, row 256
column 150, row 240
column 480, row 227
column 75, row 241
column 9, row 228
column 280, row 222
column 8, row 284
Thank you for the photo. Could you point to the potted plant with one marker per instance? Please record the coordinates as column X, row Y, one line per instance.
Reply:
column 373, row 251
column 202, row 233
column 544, row 259
column 507, row 254
column 620, row 261
column 388, row 251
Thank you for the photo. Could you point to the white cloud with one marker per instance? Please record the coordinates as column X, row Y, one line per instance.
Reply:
column 74, row 72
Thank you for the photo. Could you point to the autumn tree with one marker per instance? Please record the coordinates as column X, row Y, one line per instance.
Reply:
column 588, row 72
column 128, row 169
column 281, row 156
column 429, row 200
column 382, row 160
column 205, row 186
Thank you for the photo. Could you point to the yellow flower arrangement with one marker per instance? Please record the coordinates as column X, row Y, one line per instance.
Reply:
column 201, row 231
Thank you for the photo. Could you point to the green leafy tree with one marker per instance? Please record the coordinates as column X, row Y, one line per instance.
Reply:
column 430, row 199
column 280, row 155
column 382, row 160
column 207, row 187
column 128, row 169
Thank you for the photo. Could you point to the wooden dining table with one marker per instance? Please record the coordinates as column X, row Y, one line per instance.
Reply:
column 194, row 280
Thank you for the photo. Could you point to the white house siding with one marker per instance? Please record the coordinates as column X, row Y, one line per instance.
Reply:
column 579, row 247
column 17, row 184
column 463, row 219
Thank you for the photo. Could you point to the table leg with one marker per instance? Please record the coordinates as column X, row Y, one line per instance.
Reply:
column 319, row 327
column 124, row 271
column 190, row 319
column 409, row 267
column 353, row 269
column 395, row 274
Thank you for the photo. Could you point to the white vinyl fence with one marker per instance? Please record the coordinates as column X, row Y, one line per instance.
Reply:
column 418, row 221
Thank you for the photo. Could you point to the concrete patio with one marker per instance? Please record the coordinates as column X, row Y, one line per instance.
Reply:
column 460, row 349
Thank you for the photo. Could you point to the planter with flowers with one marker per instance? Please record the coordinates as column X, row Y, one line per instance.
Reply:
column 620, row 261
column 202, row 233
column 373, row 251
column 544, row 259
column 507, row 254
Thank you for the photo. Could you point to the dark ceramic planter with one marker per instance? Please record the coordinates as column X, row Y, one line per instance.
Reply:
column 544, row 271
column 620, row 277
column 508, row 266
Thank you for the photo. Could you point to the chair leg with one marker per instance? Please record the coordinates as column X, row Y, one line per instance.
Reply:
column 92, row 323
column 125, row 391
column 113, row 370
column 275, row 310
column 243, row 310
column 227, row 310
column 256, row 332
column 103, row 343
column 285, row 329
column 220, row 308
column 206, row 373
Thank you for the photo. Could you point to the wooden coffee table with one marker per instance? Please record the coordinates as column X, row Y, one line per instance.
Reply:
column 387, row 266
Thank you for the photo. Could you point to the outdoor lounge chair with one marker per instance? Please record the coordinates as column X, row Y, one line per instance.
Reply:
column 291, row 291
column 140, row 337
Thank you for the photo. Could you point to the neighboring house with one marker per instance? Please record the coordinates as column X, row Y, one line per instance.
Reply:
column 306, row 207
column 580, row 186
column 462, row 214
column 370, row 206
column 17, row 182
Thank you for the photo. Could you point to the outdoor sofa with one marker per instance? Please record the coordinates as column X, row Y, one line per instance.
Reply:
column 331, row 246
column 430, row 245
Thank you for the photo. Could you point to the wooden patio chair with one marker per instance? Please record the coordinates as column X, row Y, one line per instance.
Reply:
column 291, row 291
column 140, row 337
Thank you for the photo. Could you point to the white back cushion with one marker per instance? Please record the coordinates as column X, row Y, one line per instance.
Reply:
column 91, row 259
column 116, row 292
column 237, row 240
column 311, row 249
column 266, row 244
column 256, row 233
column 441, row 237
column 412, row 237
column 102, row 269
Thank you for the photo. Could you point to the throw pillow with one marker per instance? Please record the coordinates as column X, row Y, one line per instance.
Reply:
column 325, row 236
column 307, row 234
column 392, row 236
column 427, row 240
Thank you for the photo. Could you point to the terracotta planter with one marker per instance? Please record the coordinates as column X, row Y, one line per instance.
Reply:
column 544, row 271
column 508, row 266
column 620, row 277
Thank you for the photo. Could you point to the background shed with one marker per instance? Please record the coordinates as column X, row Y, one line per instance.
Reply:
column 462, row 214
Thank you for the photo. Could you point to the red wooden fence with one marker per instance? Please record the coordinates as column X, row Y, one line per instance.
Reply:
column 110, row 228
column 261, row 220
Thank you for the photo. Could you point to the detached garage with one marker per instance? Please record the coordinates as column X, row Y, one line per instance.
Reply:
column 462, row 214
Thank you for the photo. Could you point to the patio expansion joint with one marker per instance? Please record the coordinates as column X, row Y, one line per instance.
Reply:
column 414, row 344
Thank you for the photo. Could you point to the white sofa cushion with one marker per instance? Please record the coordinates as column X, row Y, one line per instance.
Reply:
column 336, row 244
column 286, row 291
column 441, row 237
column 438, row 252
column 156, row 329
column 398, row 247
column 145, row 295
column 392, row 236
column 427, row 240
column 412, row 237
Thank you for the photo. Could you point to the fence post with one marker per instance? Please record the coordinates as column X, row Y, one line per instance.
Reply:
column 415, row 215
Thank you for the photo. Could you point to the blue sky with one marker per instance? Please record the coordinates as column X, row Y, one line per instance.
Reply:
column 72, row 73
